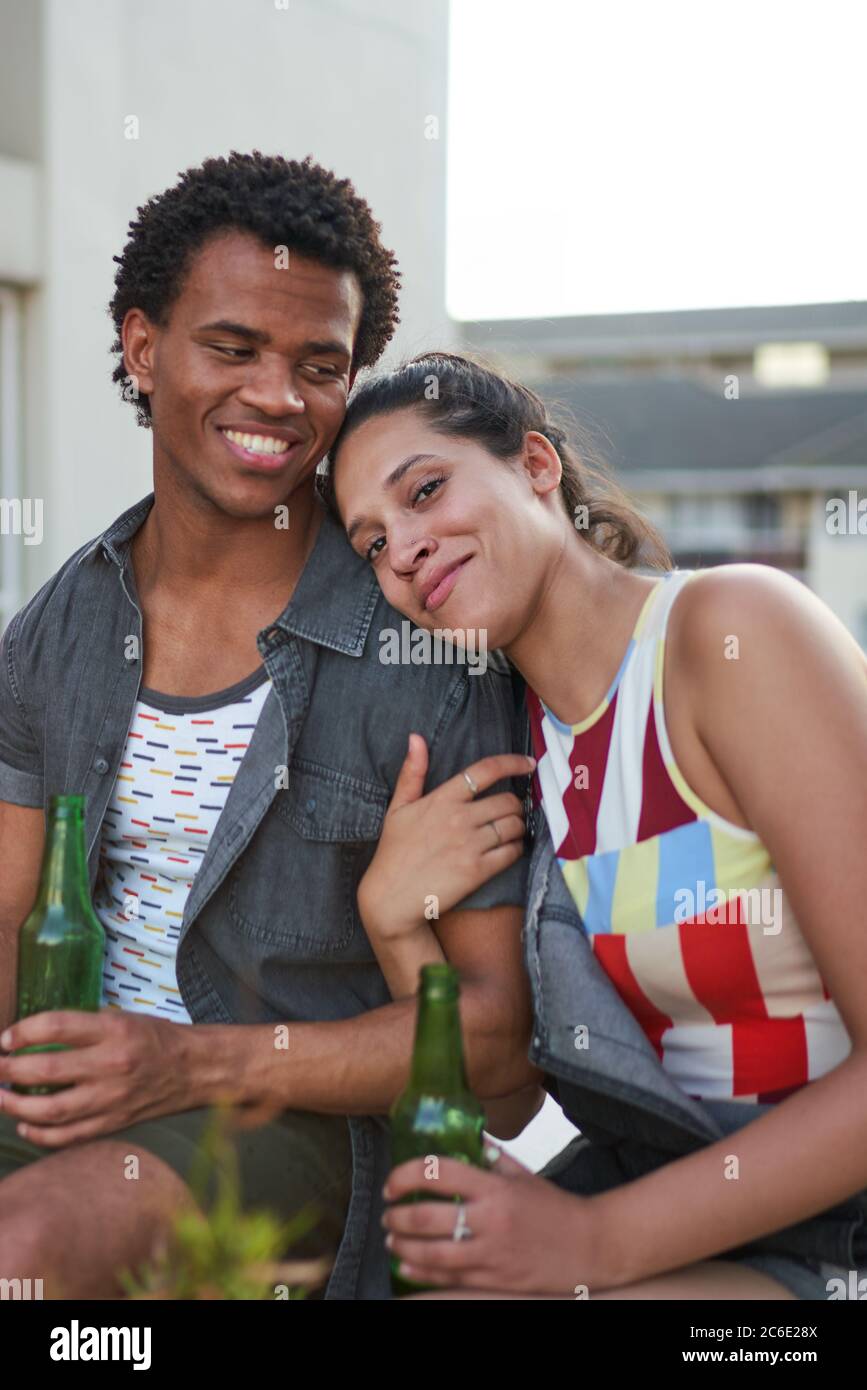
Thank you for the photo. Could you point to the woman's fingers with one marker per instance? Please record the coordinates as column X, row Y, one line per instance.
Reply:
column 410, row 780
column 502, row 832
column 489, row 808
column 432, row 1220
column 485, row 773
column 451, row 1178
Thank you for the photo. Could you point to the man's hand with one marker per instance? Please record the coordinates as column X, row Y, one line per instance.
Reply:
column 119, row 1069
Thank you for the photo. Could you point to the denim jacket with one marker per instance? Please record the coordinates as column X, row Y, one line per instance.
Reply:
column 610, row 1082
column 270, row 930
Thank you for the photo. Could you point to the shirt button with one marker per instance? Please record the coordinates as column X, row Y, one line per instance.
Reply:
column 311, row 805
column 537, row 1042
column 100, row 766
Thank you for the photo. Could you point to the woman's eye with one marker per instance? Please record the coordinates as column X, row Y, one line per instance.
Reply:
column 372, row 550
column 422, row 492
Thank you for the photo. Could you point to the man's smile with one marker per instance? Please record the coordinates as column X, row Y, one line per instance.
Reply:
column 267, row 448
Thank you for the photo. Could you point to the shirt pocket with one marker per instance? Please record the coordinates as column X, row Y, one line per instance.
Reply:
column 296, row 884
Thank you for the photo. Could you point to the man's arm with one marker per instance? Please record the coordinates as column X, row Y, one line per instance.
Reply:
column 360, row 1065
column 22, row 837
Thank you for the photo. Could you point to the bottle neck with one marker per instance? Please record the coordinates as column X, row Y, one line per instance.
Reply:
column 438, row 1055
column 64, row 861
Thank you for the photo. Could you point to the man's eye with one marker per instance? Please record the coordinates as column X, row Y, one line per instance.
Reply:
column 230, row 351
column 372, row 551
column 421, row 492
column 322, row 370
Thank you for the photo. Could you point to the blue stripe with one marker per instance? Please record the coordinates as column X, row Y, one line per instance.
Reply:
column 685, row 860
column 602, row 875
column 617, row 679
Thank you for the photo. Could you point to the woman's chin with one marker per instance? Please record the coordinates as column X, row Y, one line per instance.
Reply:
column 463, row 618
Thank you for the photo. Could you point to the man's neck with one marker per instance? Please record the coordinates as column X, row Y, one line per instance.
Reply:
column 208, row 583
column 186, row 546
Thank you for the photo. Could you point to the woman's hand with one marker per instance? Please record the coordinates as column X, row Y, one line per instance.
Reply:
column 436, row 849
column 528, row 1236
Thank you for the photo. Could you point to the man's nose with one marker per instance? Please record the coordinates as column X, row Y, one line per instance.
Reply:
column 270, row 386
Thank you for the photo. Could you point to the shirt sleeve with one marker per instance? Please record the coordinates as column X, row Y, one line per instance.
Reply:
column 21, row 763
column 490, row 718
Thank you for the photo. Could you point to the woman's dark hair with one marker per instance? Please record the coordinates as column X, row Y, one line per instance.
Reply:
column 467, row 399
column 281, row 202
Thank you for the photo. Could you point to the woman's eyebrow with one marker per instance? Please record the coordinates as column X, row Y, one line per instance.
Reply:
column 391, row 481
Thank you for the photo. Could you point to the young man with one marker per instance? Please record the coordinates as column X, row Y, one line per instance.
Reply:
column 206, row 672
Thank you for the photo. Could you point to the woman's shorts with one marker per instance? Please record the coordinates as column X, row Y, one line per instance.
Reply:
column 297, row 1161
column 586, row 1168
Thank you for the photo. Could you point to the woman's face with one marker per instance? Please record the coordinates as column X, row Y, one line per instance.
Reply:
column 457, row 538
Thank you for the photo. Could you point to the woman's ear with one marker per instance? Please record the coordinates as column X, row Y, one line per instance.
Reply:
column 541, row 463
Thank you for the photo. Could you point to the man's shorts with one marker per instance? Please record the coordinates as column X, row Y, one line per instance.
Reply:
column 297, row 1161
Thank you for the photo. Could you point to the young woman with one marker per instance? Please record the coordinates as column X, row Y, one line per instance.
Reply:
column 701, row 740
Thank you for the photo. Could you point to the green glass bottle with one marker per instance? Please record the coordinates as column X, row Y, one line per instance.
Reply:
column 61, row 943
column 437, row 1114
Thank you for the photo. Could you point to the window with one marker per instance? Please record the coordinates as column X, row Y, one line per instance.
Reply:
column 761, row 511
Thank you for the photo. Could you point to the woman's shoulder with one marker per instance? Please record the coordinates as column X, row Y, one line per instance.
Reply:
column 758, row 616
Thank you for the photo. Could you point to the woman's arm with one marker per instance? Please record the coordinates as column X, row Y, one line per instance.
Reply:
column 434, row 851
column 785, row 724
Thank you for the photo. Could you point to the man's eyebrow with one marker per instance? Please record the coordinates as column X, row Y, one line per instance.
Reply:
column 256, row 335
column 240, row 330
column 391, row 481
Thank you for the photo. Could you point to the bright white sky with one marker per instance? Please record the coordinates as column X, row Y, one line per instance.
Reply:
column 655, row 154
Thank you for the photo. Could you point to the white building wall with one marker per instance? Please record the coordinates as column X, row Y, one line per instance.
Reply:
column 352, row 82
column 837, row 562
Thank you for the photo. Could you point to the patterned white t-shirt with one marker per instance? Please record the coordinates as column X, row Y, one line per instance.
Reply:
column 180, row 759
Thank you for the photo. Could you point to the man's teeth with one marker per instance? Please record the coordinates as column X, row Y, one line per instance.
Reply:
column 258, row 443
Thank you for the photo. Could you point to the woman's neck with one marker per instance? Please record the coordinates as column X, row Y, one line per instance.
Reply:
column 573, row 642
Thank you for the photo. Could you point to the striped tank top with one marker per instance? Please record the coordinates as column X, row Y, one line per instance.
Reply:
column 684, row 909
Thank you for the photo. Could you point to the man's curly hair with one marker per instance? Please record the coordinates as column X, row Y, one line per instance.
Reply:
column 282, row 202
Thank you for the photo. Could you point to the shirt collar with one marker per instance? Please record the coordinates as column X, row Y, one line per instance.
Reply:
column 334, row 598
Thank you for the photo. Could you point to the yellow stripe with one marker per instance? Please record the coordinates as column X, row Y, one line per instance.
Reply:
column 578, row 882
column 738, row 863
column 633, row 906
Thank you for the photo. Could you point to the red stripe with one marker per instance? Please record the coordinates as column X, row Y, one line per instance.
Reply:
column 720, row 968
column 581, row 804
column 610, row 951
column 662, row 806
column 768, row 1055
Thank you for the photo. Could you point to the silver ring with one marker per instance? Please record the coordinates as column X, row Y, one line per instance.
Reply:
column 493, row 825
column 462, row 1230
column 471, row 784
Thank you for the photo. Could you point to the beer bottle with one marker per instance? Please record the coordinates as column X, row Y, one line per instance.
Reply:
column 61, row 942
column 437, row 1114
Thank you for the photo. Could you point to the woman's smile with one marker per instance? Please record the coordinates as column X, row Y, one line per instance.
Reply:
column 436, row 587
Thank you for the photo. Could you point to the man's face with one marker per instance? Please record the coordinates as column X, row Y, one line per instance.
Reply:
column 249, row 350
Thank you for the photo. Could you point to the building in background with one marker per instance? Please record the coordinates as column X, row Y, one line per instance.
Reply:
column 740, row 432
column 102, row 103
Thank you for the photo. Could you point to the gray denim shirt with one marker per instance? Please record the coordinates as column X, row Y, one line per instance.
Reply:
column 270, row 931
